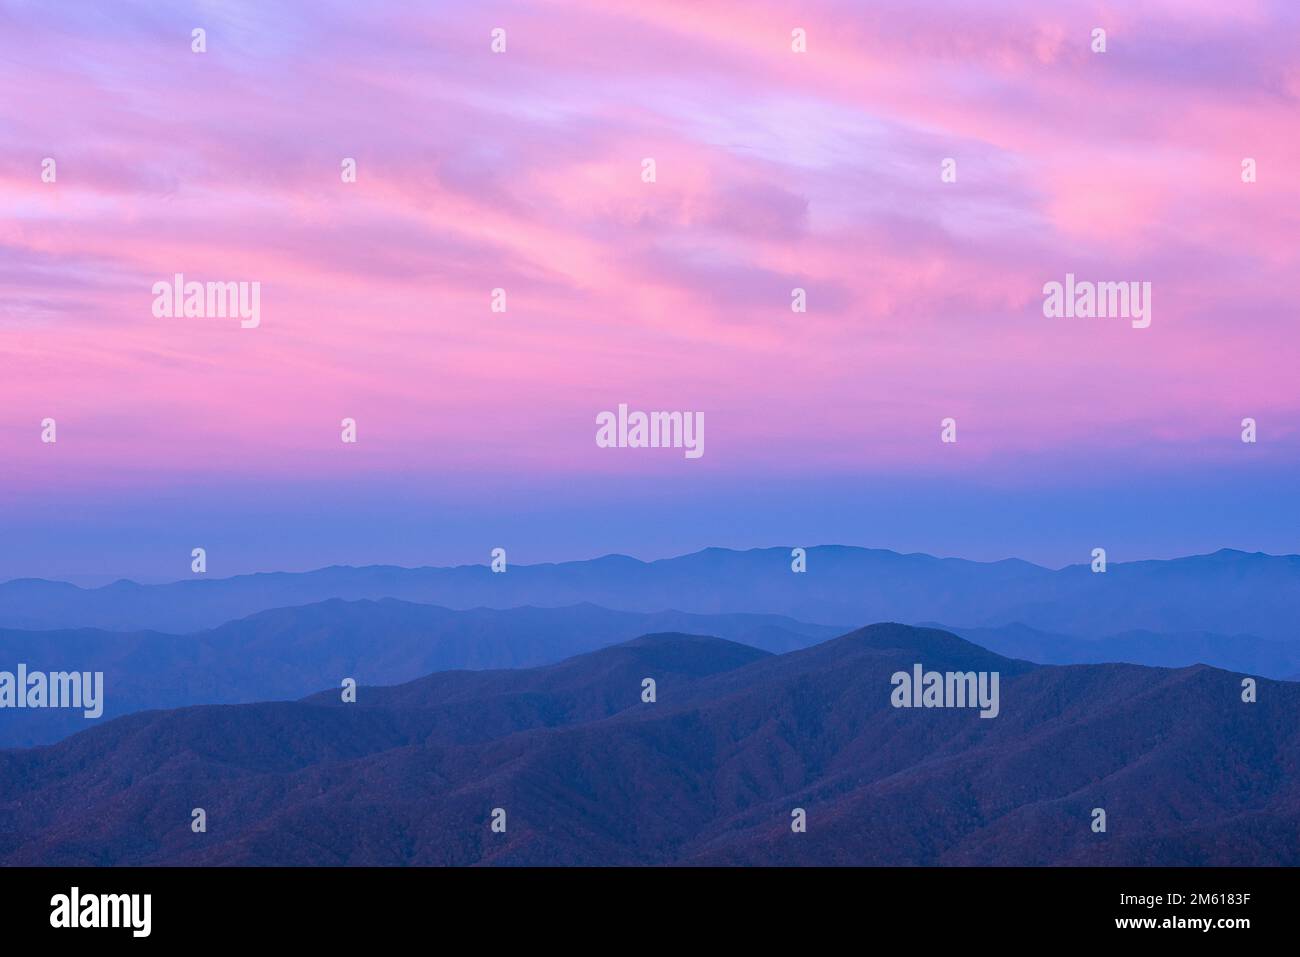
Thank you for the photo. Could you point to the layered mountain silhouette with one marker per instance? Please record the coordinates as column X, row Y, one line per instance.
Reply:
column 1244, row 653
column 286, row 653
column 587, row 772
column 1228, row 592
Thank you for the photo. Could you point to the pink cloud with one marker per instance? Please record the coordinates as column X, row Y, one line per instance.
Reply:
column 522, row 171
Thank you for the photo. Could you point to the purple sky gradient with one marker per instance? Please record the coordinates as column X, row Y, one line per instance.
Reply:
column 522, row 171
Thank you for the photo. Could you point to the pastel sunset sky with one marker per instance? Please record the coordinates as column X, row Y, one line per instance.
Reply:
column 522, row 170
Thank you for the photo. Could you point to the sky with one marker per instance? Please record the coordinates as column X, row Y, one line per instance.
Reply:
column 522, row 170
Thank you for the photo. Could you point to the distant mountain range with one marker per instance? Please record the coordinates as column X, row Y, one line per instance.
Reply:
column 1243, row 653
column 588, row 773
column 1228, row 592
column 286, row 653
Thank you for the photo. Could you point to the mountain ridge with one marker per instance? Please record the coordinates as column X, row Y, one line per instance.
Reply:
column 285, row 653
column 1221, row 592
column 708, row 774
column 388, row 566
